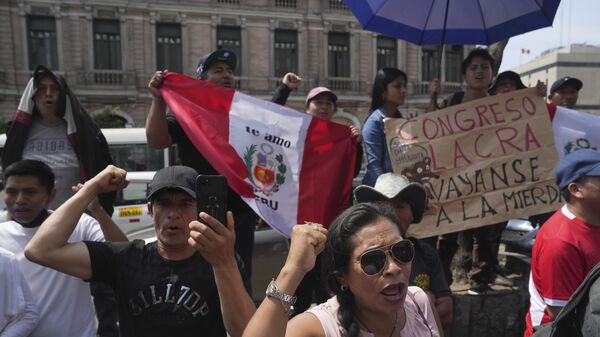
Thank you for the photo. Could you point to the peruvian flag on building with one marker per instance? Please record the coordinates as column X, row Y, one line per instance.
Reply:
column 288, row 166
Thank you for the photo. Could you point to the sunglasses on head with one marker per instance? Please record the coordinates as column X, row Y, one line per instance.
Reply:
column 375, row 260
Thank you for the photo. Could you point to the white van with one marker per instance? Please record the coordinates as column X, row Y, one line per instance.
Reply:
column 130, row 151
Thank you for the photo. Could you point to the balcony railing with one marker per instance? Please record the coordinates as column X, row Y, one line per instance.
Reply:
column 340, row 85
column 285, row 3
column 421, row 88
column 337, row 4
column 118, row 78
column 343, row 85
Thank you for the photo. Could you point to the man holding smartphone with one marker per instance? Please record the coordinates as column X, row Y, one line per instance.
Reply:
column 187, row 282
column 163, row 130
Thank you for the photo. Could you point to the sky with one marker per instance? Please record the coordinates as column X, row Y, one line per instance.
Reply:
column 576, row 21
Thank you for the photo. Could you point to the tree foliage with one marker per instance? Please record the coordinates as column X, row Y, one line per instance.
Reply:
column 107, row 118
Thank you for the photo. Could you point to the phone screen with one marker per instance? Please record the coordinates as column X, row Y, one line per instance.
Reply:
column 211, row 196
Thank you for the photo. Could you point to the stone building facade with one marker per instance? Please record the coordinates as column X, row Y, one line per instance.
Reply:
column 577, row 60
column 107, row 50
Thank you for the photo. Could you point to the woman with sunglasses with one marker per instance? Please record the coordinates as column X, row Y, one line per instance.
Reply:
column 366, row 263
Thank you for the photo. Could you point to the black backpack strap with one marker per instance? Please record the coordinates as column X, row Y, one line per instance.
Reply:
column 457, row 98
column 569, row 320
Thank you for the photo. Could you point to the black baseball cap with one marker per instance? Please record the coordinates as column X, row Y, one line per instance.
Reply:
column 174, row 177
column 567, row 79
column 223, row 55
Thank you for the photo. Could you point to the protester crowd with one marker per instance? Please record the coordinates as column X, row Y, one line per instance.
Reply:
column 368, row 276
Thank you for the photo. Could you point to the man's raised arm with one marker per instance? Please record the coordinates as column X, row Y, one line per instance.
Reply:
column 50, row 247
column 157, row 128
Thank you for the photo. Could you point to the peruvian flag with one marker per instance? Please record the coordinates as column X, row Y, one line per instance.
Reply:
column 288, row 166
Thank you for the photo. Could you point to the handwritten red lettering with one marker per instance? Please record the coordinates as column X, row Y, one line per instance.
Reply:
column 509, row 109
column 498, row 118
column 505, row 135
column 480, row 110
column 405, row 135
column 470, row 122
column 429, row 121
column 482, row 156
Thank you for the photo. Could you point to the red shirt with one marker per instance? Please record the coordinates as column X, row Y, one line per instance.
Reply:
column 565, row 250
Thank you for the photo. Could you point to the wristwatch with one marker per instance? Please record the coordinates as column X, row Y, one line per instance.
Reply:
column 272, row 291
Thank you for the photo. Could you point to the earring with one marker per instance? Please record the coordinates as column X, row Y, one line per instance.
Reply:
column 343, row 288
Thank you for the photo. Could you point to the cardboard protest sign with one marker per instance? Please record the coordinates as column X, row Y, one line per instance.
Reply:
column 481, row 162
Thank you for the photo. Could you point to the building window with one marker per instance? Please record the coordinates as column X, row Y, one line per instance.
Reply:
column 42, row 42
column 285, row 3
column 286, row 56
column 454, row 57
column 107, row 44
column 339, row 55
column 229, row 2
column 337, row 4
column 387, row 55
column 168, row 47
column 230, row 38
column 430, row 62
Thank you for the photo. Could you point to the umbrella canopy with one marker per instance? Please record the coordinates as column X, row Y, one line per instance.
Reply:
column 426, row 22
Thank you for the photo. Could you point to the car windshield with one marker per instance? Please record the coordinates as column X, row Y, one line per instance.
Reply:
column 134, row 193
column 137, row 157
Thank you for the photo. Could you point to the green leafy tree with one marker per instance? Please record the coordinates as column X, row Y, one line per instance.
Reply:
column 107, row 118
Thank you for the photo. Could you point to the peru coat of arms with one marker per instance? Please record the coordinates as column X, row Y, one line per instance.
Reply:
column 266, row 170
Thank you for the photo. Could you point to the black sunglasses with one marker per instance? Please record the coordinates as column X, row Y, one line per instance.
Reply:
column 375, row 260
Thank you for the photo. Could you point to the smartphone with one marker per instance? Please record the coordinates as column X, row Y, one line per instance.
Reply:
column 211, row 196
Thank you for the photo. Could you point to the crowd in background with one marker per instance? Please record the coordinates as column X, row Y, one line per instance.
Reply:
column 367, row 276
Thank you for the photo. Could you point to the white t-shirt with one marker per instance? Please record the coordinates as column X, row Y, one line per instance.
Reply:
column 18, row 313
column 48, row 143
column 64, row 302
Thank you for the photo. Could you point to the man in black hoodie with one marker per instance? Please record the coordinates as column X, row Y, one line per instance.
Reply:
column 51, row 126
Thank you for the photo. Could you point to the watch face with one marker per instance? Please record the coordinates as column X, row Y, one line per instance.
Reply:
column 271, row 289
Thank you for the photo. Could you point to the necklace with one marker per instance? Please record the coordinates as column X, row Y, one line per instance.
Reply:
column 371, row 332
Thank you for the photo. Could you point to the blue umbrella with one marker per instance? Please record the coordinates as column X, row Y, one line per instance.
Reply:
column 427, row 22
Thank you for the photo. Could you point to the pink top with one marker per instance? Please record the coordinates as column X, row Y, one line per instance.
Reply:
column 420, row 321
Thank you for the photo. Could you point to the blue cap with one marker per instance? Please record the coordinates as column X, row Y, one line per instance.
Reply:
column 575, row 165
column 222, row 55
column 562, row 81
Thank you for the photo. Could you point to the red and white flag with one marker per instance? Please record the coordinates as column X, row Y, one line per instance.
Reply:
column 288, row 166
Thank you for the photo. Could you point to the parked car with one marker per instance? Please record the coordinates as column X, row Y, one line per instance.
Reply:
column 131, row 210
column 518, row 238
column 130, row 151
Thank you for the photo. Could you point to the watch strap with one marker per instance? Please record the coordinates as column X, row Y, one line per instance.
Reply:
column 273, row 291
